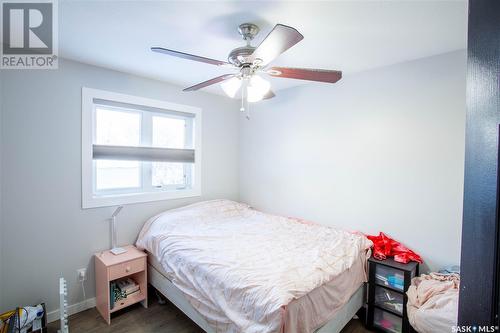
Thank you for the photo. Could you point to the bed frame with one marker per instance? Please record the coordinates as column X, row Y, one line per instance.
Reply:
column 174, row 295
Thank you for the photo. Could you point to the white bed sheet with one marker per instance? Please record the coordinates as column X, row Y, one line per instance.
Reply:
column 244, row 270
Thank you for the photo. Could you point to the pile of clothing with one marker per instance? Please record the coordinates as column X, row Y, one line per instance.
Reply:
column 384, row 246
column 433, row 302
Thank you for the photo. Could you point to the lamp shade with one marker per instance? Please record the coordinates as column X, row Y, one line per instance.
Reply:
column 231, row 86
column 257, row 88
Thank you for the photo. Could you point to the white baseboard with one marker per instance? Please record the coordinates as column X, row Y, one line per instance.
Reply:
column 72, row 309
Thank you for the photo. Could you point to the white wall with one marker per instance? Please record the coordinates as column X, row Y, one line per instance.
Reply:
column 46, row 232
column 381, row 150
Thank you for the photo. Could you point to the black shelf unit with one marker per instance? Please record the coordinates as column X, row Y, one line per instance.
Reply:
column 394, row 270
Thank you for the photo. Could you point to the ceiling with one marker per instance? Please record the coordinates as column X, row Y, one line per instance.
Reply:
column 351, row 36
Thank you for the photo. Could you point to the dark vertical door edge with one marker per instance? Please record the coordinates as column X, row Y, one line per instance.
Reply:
column 478, row 301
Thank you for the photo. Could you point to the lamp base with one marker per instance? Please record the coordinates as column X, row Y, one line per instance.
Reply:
column 117, row 250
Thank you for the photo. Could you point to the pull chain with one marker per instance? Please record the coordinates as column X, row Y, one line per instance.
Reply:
column 248, row 109
column 245, row 105
column 242, row 109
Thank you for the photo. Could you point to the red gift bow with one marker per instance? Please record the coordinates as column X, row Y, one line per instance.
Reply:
column 384, row 246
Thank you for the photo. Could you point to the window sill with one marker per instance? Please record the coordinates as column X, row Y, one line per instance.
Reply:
column 132, row 198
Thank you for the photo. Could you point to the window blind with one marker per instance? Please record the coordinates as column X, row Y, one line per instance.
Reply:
column 153, row 154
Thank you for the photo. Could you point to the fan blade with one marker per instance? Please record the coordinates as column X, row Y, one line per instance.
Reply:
column 209, row 82
column 280, row 39
column 269, row 95
column 189, row 56
column 320, row 75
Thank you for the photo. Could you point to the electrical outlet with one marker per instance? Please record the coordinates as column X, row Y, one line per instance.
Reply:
column 82, row 274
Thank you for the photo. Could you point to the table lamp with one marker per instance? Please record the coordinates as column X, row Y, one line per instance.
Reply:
column 114, row 249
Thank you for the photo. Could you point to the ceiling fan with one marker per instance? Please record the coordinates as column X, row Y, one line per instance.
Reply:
column 250, row 61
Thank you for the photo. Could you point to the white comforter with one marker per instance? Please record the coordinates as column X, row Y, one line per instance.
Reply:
column 239, row 267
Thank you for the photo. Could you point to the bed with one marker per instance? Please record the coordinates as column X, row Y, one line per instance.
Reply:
column 231, row 268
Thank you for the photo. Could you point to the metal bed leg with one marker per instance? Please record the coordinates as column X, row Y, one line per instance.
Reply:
column 161, row 298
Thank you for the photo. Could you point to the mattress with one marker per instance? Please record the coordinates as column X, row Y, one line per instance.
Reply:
column 247, row 271
column 311, row 311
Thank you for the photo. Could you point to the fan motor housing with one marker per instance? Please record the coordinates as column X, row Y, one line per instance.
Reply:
column 241, row 55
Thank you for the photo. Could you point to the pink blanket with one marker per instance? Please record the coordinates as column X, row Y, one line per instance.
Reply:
column 433, row 302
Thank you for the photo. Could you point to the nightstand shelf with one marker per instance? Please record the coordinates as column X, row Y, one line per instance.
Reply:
column 396, row 313
column 387, row 286
column 128, row 301
column 109, row 268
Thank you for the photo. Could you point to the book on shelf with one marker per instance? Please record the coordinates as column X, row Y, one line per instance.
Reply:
column 134, row 293
column 132, row 290
column 111, row 295
column 126, row 283
column 122, row 288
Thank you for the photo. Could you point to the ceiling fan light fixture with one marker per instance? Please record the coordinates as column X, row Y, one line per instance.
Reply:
column 253, row 96
column 250, row 60
column 257, row 88
column 231, row 86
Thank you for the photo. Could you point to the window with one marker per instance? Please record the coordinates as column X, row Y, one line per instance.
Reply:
column 136, row 149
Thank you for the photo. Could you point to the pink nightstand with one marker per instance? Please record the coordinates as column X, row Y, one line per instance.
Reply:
column 109, row 267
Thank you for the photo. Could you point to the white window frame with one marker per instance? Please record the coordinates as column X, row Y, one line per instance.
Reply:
column 89, row 199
